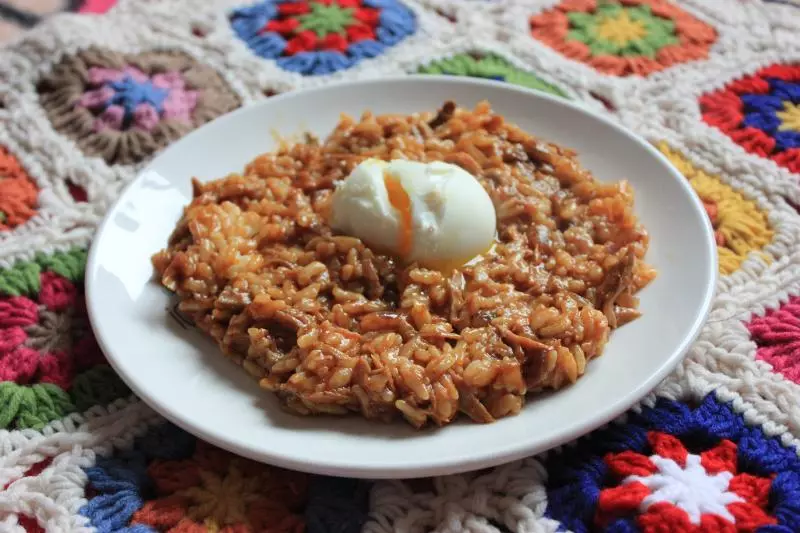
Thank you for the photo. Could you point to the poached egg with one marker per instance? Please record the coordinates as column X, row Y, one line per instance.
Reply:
column 436, row 214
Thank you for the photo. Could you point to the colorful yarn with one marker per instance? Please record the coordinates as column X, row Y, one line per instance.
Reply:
column 32, row 407
column 741, row 228
column 80, row 453
column 99, row 385
column 777, row 335
column 315, row 37
column 761, row 113
column 18, row 193
column 624, row 37
column 36, row 341
column 170, row 481
column 23, row 278
column 70, row 264
column 677, row 468
column 128, row 98
column 50, row 364
column 491, row 67
column 123, row 108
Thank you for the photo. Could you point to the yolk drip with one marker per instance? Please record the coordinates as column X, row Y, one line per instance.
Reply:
column 399, row 199
column 448, row 266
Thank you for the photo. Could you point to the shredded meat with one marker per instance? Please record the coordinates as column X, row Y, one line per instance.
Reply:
column 332, row 326
column 444, row 114
column 618, row 280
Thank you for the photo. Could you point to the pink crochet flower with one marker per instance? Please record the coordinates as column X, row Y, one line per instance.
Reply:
column 128, row 98
column 777, row 335
column 17, row 362
column 57, row 293
column 36, row 339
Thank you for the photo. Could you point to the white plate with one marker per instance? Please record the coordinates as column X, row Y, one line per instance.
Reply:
column 181, row 374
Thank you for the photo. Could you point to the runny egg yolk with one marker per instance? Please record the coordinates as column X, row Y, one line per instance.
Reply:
column 400, row 200
column 435, row 214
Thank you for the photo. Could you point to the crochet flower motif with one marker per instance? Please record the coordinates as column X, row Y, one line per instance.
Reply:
column 622, row 31
column 128, row 98
column 777, row 335
column 18, row 193
column 174, row 483
column 761, row 113
column 490, row 67
column 740, row 226
column 50, row 364
column 125, row 107
column 314, row 37
column 36, row 338
column 624, row 37
column 705, row 487
column 673, row 467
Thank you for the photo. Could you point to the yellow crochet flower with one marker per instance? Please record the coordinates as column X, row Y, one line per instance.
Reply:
column 741, row 227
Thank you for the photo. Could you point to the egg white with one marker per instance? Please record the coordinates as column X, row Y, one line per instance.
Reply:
column 452, row 217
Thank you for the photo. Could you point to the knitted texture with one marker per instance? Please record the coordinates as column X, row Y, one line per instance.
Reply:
column 18, row 15
column 492, row 67
column 86, row 101
column 170, row 481
column 314, row 38
column 125, row 107
column 761, row 112
column 18, row 193
column 626, row 37
column 677, row 467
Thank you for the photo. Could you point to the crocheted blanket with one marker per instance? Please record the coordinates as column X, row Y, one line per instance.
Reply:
column 85, row 101
column 18, row 15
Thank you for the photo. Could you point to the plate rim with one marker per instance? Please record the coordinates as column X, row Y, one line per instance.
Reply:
column 427, row 466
